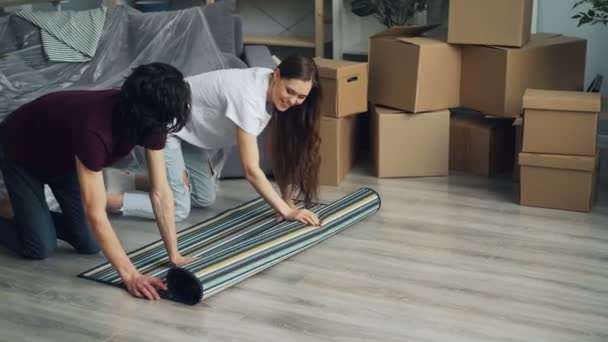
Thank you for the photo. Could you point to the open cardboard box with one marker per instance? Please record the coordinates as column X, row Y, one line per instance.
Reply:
column 413, row 73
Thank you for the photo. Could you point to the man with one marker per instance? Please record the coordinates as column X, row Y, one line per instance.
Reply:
column 64, row 139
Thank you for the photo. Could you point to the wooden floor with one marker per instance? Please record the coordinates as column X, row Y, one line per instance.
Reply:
column 446, row 259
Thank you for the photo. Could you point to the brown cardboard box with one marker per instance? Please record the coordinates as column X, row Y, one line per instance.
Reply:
column 561, row 122
column 494, row 78
column 410, row 145
column 558, row 181
column 490, row 22
column 519, row 135
column 481, row 146
column 344, row 87
column 338, row 146
column 411, row 73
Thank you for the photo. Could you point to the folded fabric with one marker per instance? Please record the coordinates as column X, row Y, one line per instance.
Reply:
column 68, row 36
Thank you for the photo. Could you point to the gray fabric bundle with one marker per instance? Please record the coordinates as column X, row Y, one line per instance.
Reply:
column 68, row 36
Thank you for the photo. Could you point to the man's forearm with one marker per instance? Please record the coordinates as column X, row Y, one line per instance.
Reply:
column 111, row 247
column 164, row 211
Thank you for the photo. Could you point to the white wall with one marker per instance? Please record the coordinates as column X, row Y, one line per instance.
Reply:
column 278, row 17
column 554, row 16
column 351, row 32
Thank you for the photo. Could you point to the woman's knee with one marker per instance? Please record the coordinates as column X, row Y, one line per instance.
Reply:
column 205, row 200
column 182, row 208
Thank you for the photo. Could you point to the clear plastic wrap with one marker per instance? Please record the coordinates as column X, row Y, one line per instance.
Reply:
column 130, row 38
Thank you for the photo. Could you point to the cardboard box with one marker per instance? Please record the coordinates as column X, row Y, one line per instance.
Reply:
column 412, row 73
column 344, row 87
column 561, row 122
column 558, row 181
column 494, row 79
column 490, row 22
column 518, row 124
column 602, row 145
column 410, row 145
column 481, row 146
column 338, row 146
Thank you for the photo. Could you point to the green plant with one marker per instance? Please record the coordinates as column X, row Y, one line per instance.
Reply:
column 388, row 12
column 598, row 13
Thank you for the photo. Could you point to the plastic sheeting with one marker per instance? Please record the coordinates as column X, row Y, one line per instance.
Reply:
column 130, row 38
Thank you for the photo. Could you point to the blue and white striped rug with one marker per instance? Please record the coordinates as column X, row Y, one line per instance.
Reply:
column 237, row 244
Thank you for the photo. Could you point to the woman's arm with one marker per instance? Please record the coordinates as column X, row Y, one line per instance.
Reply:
column 250, row 159
column 287, row 195
column 163, row 205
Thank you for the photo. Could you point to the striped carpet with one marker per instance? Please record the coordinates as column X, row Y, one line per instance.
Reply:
column 237, row 244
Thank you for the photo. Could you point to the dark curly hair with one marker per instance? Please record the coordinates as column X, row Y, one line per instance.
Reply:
column 154, row 99
column 294, row 134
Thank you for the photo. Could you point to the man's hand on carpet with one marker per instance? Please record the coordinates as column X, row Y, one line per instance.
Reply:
column 143, row 286
column 304, row 216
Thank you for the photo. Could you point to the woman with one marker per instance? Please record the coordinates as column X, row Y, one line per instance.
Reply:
column 233, row 107
column 63, row 140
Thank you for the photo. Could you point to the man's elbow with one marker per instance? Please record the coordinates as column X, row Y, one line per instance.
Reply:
column 96, row 217
column 156, row 196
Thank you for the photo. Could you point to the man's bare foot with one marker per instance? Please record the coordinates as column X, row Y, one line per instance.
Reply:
column 142, row 183
column 118, row 181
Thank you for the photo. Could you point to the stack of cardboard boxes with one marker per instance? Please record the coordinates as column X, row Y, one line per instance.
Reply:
column 489, row 60
column 500, row 60
column 485, row 64
column 344, row 86
column 560, row 154
column 413, row 82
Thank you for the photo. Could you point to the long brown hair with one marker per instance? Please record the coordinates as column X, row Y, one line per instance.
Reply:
column 294, row 134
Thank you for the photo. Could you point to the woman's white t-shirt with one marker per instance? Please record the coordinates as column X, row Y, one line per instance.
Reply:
column 223, row 100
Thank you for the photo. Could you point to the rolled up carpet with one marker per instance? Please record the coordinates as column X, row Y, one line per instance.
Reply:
column 237, row 244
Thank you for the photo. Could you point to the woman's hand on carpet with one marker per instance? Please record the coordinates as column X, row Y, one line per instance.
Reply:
column 143, row 286
column 305, row 216
column 291, row 204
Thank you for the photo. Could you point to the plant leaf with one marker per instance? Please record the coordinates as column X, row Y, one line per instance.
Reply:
column 578, row 3
column 362, row 8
